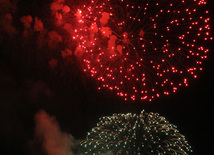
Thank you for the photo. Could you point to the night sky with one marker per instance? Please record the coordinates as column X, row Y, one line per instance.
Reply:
column 29, row 83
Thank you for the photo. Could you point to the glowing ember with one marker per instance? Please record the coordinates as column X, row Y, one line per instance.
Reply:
column 143, row 49
column 146, row 133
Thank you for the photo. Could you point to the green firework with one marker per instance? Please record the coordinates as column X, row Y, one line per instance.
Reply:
column 147, row 133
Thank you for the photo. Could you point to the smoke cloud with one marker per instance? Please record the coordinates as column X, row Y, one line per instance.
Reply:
column 7, row 6
column 26, row 20
column 54, row 39
column 6, row 24
column 38, row 26
column 54, row 141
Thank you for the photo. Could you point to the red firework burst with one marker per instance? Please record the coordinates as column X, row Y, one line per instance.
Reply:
column 143, row 49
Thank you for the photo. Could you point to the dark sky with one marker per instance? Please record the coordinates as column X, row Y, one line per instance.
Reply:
column 27, row 84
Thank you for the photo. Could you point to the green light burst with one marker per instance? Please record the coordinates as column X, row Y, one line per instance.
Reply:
column 147, row 133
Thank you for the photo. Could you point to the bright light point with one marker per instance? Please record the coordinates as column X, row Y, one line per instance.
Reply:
column 135, row 47
column 106, row 31
column 78, row 13
column 115, row 132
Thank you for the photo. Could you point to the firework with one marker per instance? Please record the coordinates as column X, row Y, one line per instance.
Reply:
column 143, row 49
column 147, row 133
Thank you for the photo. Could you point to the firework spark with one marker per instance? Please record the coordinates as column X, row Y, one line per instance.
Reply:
column 143, row 49
column 147, row 133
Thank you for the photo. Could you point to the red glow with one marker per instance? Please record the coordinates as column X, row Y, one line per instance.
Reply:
column 153, row 52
